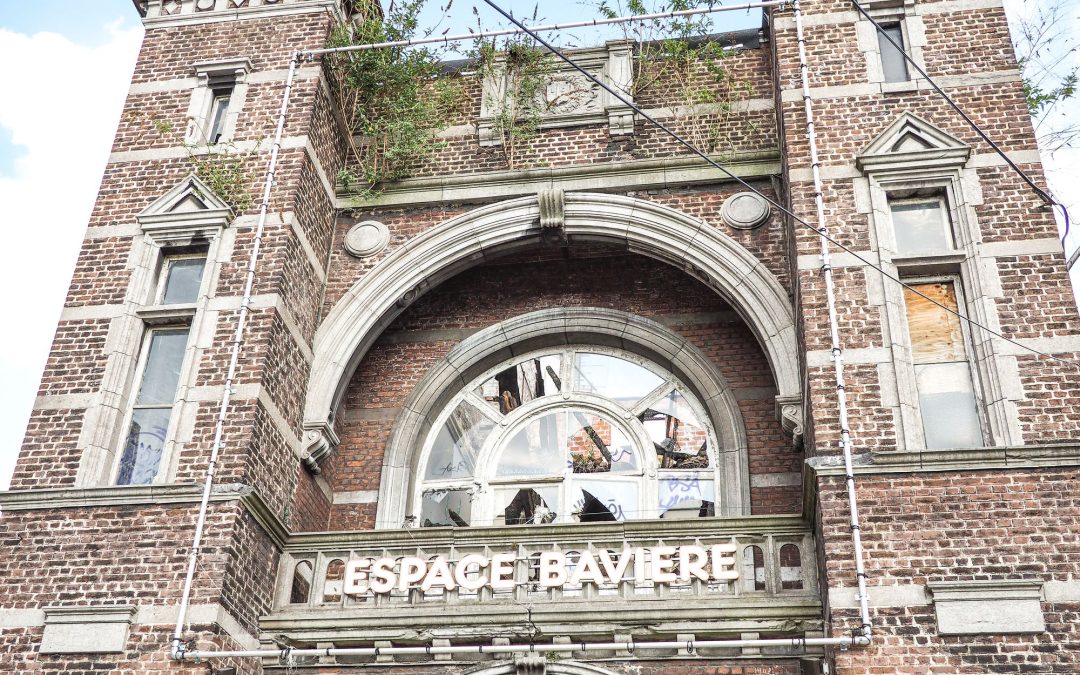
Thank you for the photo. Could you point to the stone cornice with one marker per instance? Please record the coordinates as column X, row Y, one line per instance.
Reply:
column 146, row 495
column 973, row 459
column 608, row 176
column 629, row 531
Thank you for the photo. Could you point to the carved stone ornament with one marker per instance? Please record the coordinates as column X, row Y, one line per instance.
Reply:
column 745, row 211
column 367, row 238
column 790, row 411
column 319, row 441
column 552, row 209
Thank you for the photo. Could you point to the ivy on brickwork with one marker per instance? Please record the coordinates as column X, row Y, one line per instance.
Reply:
column 679, row 57
column 224, row 170
column 394, row 98
column 519, row 72
column 222, row 167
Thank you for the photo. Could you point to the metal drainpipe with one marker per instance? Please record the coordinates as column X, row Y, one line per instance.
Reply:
column 834, row 332
column 864, row 638
column 237, row 346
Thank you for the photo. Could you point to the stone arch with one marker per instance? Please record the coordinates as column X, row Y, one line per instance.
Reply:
column 556, row 327
column 643, row 227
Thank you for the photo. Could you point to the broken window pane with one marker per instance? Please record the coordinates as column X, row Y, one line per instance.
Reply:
column 538, row 449
column 679, row 440
column 527, row 506
column 947, row 402
column 446, row 508
column 936, row 334
column 605, row 500
column 921, row 226
column 454, row 451
column 893, row 64
column 529, row 380
column 597, row 446
column 686, row 498
column 615, row 378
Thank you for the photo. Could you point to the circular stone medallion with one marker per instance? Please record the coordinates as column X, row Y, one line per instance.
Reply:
column 367, row 238
column 745, row 211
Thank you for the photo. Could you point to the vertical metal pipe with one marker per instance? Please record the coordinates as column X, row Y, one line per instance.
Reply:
column 234, row 359
column 834, row 328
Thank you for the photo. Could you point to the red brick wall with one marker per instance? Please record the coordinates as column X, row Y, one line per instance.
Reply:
column 591, row 277
column 957, row 526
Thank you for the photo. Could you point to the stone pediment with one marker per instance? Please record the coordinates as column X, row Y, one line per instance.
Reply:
column 912, row 142
column 191, row 203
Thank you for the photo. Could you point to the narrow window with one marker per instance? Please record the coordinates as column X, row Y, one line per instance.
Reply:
column 219, row 108
column 947, row 401
column 159, row 374
column 921, row 226
column 181, row 279
column 153, row 406
column 893, row 64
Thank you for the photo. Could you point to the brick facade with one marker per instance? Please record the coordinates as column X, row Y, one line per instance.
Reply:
column 312, row 469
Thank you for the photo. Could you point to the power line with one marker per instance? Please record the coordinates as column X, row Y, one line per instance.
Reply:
column 820, row 231
column 1043, row 194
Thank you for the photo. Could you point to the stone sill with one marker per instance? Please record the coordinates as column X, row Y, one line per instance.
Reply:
column 631, row 531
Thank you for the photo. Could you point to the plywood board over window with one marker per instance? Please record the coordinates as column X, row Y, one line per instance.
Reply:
column 947, row 400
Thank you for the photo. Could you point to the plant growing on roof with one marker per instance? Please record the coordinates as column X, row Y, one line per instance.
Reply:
column 680, row 62
column 394, row 100
column 518, row 72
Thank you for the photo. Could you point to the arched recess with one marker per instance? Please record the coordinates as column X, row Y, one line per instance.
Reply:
column 642, row 227
column 553, row 327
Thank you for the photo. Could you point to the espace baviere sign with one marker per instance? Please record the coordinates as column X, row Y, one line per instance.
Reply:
column 668, row 565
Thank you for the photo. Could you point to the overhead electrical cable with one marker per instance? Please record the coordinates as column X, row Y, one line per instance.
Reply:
column 712, row 162
column 1043, row 194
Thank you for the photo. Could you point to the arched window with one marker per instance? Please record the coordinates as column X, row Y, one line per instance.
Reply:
column 580, row 434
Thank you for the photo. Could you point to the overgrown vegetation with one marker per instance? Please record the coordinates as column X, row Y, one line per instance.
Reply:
column 397, row 100
column 680, row 59
column 394, row 98
column 1046, row 50
column 222, row 167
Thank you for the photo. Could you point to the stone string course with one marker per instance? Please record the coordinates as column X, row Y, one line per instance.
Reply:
column 920, row 526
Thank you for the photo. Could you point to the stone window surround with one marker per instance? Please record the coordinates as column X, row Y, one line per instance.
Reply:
column 209, row 75
column 103, row 431
column 913, row 28
column 546, row 328
column 997, row 381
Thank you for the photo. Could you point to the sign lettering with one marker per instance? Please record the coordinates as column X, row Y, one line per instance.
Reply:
column 669, row 565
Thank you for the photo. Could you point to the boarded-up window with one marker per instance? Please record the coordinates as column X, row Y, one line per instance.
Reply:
column 942, row 372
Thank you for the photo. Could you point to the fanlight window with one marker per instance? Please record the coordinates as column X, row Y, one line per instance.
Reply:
column 579, row 435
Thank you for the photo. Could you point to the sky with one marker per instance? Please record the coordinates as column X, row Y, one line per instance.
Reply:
column 56, row 133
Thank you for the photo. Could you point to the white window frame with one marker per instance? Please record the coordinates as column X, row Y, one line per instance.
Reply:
column 484, row 482
column 159, row 317
column 211, row 77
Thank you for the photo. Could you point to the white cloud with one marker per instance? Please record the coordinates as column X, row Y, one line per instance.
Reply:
column 60, row 103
